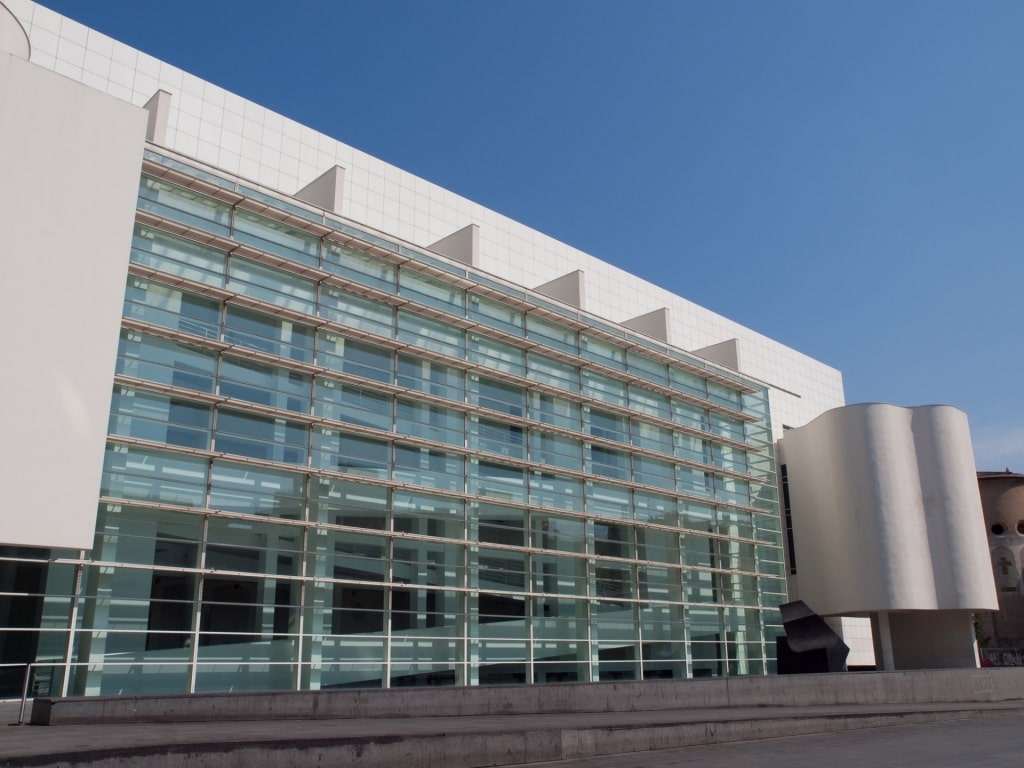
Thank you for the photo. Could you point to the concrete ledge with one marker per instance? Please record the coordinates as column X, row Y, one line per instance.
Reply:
column 865, row 688
column 485, row 747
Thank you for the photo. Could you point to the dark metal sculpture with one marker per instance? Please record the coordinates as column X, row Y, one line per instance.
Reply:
column 809, row 645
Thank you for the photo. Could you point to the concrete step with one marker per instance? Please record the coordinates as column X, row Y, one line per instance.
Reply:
column 446, row 742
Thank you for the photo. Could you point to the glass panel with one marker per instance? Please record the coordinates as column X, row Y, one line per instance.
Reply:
column 560, row 575
column 501, row 570
column 261, row 437
column 184, row 205
column 651, row 403
column 615, row 581
column 431, row 378
column 548, row 489
column 277, row 237
column 565, row 534
column 699, row 551
column 499, row 524
column 726, row 426
column 553, row 372
column 496, row 315
column 429, row 563
column 646, row 368
column 719, row 393
column 608, row 500
column 613, row 540
column 272, row 285
column 427, row 611
column 607, row 462
column 428, row 515
column 732, row 490
column 737, row 523
column 552, row 334
column 431, row 334
column 269, row 334
column 358, row 266
column 648, row 471
column 602, row 352
column 430, row 469
column 497, row 481
column 355, row 357
column 660, row 546
column 353, row 405
column 171, row 308
column 690, row 415
column 697, row 517
column 654, row 508
column 609, row 426
column 495, row 437
column 344, row 502
column 162, row 419
column 264, row 384
column 351, row 454
column 431, row 422
column 177, row 256
column 694, row 481
column 497, row 395
column 357, row 312
column 152, row 358
column 555, row 617
column 688, row 382
column 692, row 448
column 496, row 355
column 431, row 292
column 651, row 437
column 137, row 473
column 727, row 457
column 257, row 491
column 554, row 410
column 555, row 450
column 604, row 388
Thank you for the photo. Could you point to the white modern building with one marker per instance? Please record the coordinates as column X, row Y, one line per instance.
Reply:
column 280, row 415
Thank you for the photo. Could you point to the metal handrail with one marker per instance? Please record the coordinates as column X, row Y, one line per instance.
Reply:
column 29, row 666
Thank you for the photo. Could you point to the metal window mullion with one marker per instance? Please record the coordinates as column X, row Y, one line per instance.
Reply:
column 72, row 622
column 303, row 589
column 198, row 597
column 390, row 604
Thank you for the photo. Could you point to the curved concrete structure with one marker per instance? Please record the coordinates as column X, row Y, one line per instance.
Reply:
column 886, row 518
column 13, row 38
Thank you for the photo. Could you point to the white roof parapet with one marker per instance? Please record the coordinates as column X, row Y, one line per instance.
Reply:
column 725, row 353
column 654, row 324
column 568, row 289
column 326, row 190
column 462, row 246
column 159, row 108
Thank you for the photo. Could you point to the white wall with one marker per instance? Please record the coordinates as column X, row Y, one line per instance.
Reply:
column 69, row 166
column 886, row 511
column 222, row 129
column 932, row 640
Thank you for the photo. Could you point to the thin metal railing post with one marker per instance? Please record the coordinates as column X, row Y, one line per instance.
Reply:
column 24, row 694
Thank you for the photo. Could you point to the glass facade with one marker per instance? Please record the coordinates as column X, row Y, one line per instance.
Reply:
column 335, row 461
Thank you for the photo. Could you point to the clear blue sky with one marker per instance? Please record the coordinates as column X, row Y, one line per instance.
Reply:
column 845, row 177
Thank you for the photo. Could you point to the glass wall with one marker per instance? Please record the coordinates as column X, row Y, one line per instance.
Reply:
column 337, row 470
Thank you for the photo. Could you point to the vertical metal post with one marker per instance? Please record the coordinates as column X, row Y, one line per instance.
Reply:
column 24, row 694
column 72, row 624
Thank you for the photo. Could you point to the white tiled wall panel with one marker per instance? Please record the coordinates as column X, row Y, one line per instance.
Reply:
column 243, row 138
